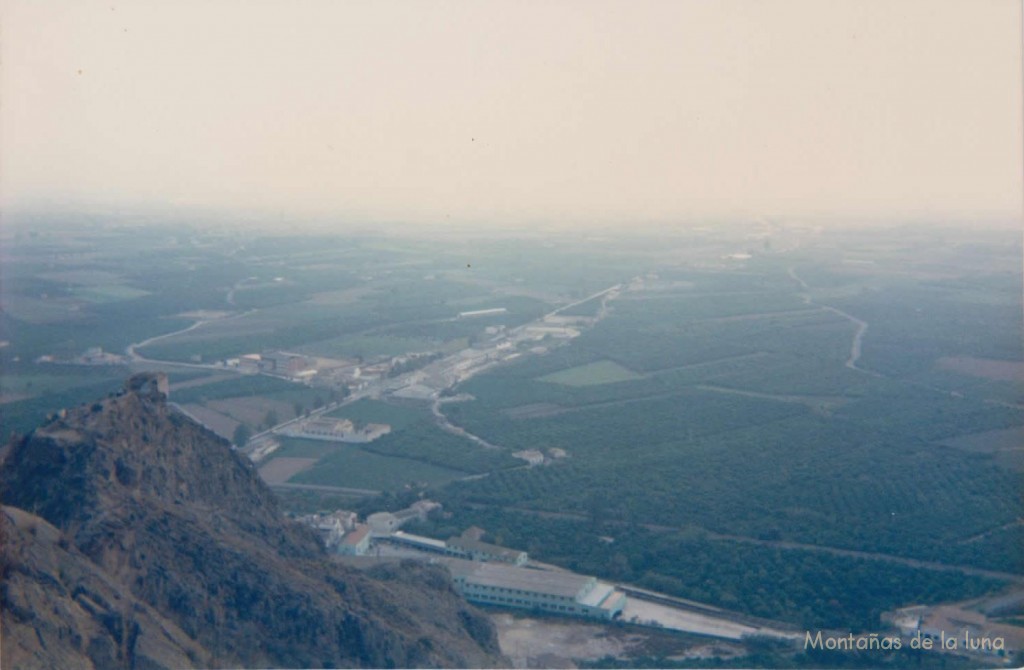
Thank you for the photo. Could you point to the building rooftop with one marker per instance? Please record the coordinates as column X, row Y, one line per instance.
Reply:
column 563, row 584
column 469, row 544
column 418, row 539
column 356, row 535
column 597, row 594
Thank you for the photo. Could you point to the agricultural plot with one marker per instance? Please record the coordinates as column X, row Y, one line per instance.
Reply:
column 323, row 329
column 375, row 411
column 280, row 469
column 256, row 401
column 985, row 368
column 354, row 467
column 48, row 310
column 254, row 411
column 696, row 307
column 822, row 486
column 294, row 447
column 234, row 387
column 39, row 380
column 990, row 440
column 626, row 429
column 21, row 416
column 748, row 422
column 913, row 327
column 179, row 384
column 1005, row 446
column 414, row 435
column 93, row 325
column 788, row 373
column 592, row 374
column 216, row 421
column 109, row 292
column 714, row 401
column 926, row 414
column 367, row 347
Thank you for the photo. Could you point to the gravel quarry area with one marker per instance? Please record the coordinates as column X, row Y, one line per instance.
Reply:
column 544, row 643
column 553, row 643
column 645, row 612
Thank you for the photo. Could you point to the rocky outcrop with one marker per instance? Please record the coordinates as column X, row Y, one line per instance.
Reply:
column 62, row 611
column 141, row 539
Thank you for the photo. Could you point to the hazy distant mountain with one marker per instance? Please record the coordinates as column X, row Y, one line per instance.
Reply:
column 140, row 539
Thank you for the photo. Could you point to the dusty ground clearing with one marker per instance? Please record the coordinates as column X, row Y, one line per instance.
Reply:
column 282, row 468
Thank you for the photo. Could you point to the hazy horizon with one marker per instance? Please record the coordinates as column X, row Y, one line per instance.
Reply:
column 564, row 114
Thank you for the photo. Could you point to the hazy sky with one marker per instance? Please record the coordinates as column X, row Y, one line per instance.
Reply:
column 518, row 111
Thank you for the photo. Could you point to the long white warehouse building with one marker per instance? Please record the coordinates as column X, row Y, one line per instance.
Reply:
column 558, row 592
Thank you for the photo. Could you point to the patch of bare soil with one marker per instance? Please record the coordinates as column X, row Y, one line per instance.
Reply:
column 562, row 643
column 222, row 425
column 281, row 469
column 253, row 411
column 529, row 642
column 202, row 381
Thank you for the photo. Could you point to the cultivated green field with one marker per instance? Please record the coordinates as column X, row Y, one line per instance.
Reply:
column 721, row 426
column 592, row 374
column 749, row 423
column 109, row 292
column 366, row 346
column 352, row 466
column 415, row 435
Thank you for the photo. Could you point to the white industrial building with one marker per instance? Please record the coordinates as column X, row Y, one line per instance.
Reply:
column 336, row 430
column 525, row 588
column 475, row 550
column 417, row 542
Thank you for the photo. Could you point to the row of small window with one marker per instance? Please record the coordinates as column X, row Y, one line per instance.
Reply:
column 500, row 589
column 517, row 601
column 500, row 599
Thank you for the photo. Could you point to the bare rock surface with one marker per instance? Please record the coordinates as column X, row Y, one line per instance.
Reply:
column 135, row 537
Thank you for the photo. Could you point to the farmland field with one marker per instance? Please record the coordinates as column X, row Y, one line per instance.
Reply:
column 414, row 435
column 730, row 421
column 293, row 447
column 591, row 374
column 281, row 468
column 218, row 422
column 357, row 468
column 366, row 346
column 987, row 368
column 109, row 292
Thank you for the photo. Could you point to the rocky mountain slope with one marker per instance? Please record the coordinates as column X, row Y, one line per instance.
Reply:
column 136, row 538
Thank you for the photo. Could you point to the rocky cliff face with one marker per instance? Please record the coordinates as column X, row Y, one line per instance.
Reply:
column 140, row 539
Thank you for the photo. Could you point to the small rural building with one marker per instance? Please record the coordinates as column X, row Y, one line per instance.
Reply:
column 418, row 542
column 356, row 542
column 383, row 523
column 475, row 550
column 249, row 363
column 330, row 528
column 474, row 533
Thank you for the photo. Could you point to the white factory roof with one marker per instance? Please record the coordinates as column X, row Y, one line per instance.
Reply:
column 419, row 539
column 525, row 579
column 597, row 594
